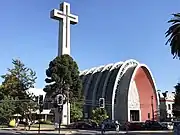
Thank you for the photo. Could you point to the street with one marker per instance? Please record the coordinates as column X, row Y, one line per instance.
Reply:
column 84, row 132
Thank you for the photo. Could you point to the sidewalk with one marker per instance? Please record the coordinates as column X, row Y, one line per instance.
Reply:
column 76, row 131
column 43, row 130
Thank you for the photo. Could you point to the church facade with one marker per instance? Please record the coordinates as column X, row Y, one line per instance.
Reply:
column 128, row 88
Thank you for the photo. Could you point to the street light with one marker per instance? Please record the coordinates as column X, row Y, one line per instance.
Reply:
column 59, row 100
column 101, row 103
column 40, row 102
column 68, row 106
column 152, row 108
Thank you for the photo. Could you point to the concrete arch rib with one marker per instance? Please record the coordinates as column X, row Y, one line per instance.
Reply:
column 116, row 65
column 107, row 67
column 83, row 72
column 126, row 65
column 90, row 78
column 153, row 80
column 90, row 71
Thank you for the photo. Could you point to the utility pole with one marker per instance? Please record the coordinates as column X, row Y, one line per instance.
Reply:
column 152, row 106
column 59, row 100
column 41, row 103
column 60, row 111
column 68, row 106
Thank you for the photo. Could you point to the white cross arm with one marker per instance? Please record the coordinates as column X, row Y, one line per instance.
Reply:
column 56, row 14
column 73, row 19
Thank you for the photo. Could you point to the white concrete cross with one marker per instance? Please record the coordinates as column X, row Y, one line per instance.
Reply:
column 65, row 18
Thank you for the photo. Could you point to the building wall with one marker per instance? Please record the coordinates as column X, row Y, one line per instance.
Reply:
column 121, row 99
column 166, row 103
column 126, row 97
column 146, row 90
column 133, row 100
column 109, row 90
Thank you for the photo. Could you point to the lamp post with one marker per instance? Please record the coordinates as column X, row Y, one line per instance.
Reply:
column 68, row 105
column 152, row 108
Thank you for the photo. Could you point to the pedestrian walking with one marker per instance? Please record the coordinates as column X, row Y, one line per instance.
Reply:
column 117, row 126
column 127, row 126
column 102, row 128
column 17, row 122
column 177, row 130
column 29, row 124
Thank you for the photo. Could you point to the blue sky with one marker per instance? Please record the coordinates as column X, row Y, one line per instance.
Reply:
column 107, row 32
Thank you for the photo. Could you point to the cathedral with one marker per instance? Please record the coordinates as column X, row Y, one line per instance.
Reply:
column 128, row 88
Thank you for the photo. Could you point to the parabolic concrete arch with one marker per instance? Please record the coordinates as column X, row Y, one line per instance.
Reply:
column 116, row 65
column 143, row 94
column 122, row 85
column 86, row 78
column 89, row 87
column 126, row 65
column 91, row 77
column 83, row 72
column 107, row 67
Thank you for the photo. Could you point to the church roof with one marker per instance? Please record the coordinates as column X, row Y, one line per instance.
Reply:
column 106, row 67
column 37, row 91
column 106, row 80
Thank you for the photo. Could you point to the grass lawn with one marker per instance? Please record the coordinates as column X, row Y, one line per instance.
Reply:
column 3, row 126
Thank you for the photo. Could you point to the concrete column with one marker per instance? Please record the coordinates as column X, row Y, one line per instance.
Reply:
column 64, row 115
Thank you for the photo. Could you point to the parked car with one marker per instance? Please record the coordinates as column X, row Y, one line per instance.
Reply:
column 83, row 124
column 175, row 124
column 154, row 125
column 133, row 126
column 110, row 124
column 93, row 124
column 169, row 125
column 136, row 126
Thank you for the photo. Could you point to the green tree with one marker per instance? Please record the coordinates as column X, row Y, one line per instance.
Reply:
column 63, row 78
column 7, row 108
column 76, row 111
column 99, row 114
column 16, row 84
column 176, row 105
column 173, row 34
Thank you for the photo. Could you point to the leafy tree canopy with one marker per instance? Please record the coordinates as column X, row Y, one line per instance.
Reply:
column 7, row 108
column 16, row 83
column 173, row 34
column 99, row 114
column 63, row 77
column 76, row 111
column 176, row 106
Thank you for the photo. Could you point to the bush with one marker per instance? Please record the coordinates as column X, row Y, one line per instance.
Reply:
column 98, row 115
column 3, row 121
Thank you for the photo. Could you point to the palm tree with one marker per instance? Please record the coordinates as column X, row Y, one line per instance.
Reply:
column 173, row 34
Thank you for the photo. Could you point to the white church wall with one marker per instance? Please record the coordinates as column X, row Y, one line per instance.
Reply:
column 166, row 105
column 133, row 100
column 121, row 107
column 37, row 91
column 64, row 120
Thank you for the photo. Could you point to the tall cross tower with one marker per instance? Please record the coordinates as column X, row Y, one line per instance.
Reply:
column 65, row 18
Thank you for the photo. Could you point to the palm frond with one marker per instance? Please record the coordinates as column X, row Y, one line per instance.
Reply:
column 176, row 15
column 175, row 46
column 172, row 31
column 173, row 34
column 174, row 20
